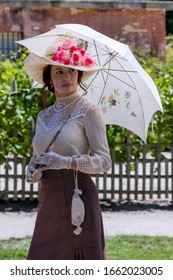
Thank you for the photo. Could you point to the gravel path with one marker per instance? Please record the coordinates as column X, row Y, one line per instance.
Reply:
column 153, row 223
column 18, row 222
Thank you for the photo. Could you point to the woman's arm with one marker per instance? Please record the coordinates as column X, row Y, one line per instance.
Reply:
column 99, row 161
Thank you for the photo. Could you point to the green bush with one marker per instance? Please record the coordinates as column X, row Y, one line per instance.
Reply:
column 19, row 106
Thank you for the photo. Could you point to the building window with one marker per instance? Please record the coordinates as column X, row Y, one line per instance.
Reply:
column 7, row 42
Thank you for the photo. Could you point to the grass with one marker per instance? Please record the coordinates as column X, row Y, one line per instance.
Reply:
column 14, row 249
column 123, row 247
column 139, row 247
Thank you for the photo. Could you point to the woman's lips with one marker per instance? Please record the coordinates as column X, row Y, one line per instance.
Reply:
column 66, row 85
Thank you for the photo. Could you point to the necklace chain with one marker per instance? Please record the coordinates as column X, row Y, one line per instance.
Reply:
column 56, row 115
column 68, row 104
column 65, row 113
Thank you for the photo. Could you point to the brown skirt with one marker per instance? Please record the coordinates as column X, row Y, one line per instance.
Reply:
column 53, row 237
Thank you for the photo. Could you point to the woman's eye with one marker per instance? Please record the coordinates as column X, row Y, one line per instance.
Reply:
column 59, row 72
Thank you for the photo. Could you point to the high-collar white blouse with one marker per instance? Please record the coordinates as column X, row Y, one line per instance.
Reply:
column 82, row 136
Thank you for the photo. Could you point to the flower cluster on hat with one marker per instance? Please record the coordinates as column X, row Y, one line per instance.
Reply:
column 68, row 53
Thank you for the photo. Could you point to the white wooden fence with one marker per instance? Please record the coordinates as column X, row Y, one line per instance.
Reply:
column 149, row 179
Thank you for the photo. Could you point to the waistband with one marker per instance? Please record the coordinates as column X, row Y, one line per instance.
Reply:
column 53, row 173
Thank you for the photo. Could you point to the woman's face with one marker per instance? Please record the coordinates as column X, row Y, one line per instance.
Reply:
column 64, row 80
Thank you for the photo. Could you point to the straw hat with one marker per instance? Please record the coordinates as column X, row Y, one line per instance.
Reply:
column 69, row 54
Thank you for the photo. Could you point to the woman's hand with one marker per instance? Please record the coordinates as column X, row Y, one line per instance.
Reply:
column 52, row 160
column 32, row 174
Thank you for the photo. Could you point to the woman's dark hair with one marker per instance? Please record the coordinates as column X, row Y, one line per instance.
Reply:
column 47, row 79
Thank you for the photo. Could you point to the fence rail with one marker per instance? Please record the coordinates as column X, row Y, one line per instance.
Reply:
column 142, row 179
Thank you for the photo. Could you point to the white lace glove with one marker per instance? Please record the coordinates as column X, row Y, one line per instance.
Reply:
column 52, row 160
column 32, row 174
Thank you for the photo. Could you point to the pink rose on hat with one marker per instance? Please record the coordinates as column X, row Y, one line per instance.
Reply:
column 76, row 58
column 68, row 43
column 87, row 61
column 69, row 53
column 63, row 56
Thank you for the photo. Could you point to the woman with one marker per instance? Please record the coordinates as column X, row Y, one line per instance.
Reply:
column 79, row 149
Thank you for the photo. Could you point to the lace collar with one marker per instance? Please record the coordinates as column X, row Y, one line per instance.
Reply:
column 63, row 102
column 52, row 116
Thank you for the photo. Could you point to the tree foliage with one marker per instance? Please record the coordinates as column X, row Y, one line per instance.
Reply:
column 20, row 104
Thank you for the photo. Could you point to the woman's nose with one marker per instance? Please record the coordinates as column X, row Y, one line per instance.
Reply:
column 67, row 75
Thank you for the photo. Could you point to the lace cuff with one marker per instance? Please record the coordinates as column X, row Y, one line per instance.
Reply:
column 91, row 164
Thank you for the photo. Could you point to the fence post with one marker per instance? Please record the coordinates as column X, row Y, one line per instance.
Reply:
column 144, row 152
column 112, row 153
column 159, row 164
column 172, row 167
column 128, row 167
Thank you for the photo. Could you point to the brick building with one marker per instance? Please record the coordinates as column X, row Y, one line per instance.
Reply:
column 132, row 22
